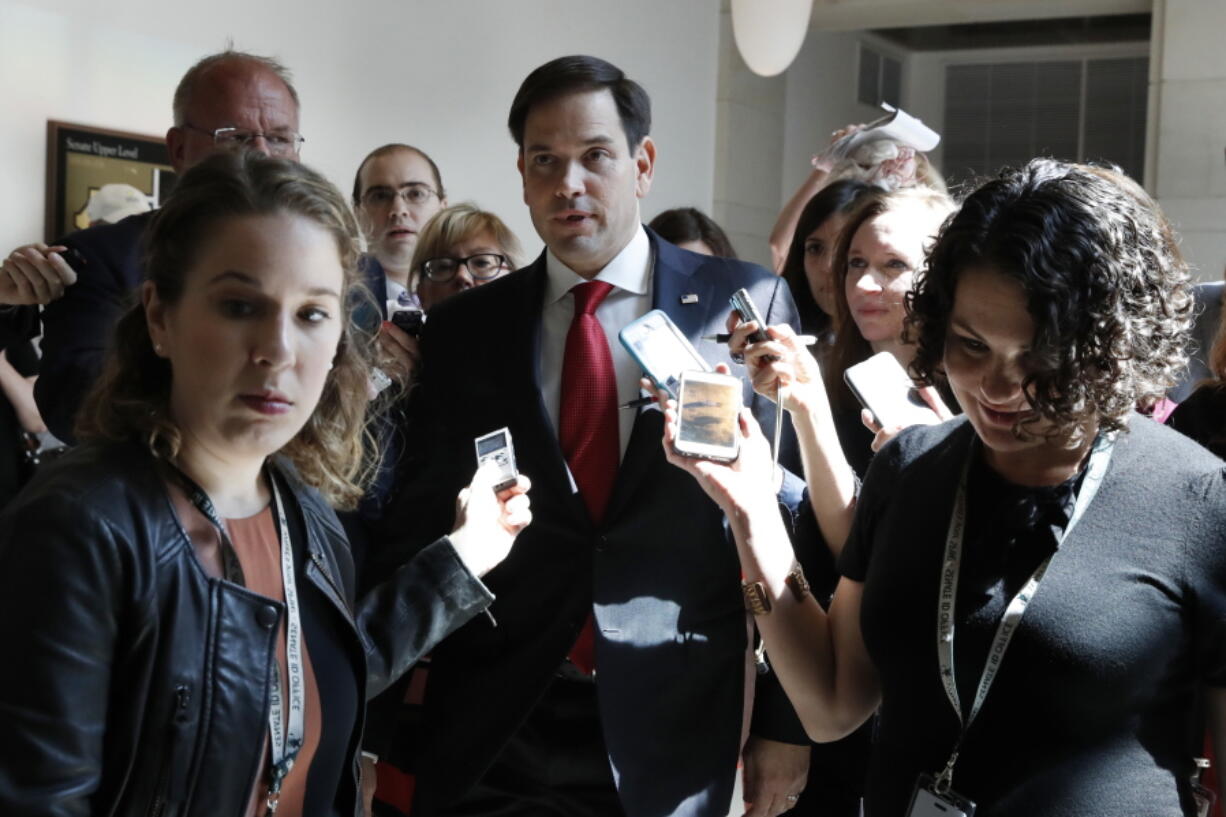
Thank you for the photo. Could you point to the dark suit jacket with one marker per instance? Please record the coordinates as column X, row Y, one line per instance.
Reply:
column 77, row 328
column 660, row 573
column 17, row 324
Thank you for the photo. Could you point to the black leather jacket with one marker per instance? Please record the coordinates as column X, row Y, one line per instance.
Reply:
column 131, row 682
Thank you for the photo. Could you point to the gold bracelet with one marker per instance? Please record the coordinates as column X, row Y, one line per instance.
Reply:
column 756, row 600
column 797, row 583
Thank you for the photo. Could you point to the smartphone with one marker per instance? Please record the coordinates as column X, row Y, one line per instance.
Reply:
column 748, row 311
column 658, row 346
column 883, row 387
column 709, row 408
column 496, row 447
column 410, row 320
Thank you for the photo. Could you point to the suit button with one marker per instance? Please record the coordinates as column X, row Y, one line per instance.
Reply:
column 266, row 617
column 602, row 543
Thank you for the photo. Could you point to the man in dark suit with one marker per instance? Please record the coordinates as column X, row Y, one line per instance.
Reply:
column 627, row 562
column 226, row 101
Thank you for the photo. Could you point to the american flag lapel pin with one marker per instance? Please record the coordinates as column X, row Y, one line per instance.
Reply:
column 689, row 298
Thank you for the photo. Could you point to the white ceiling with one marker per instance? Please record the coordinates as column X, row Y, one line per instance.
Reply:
column 847, row 15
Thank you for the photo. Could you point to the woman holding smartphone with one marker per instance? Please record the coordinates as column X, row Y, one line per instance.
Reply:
column 879, row 251
column 177, row 592
column 1078, row 544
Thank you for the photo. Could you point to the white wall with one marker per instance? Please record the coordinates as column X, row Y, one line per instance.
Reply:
column 749, row 141
column 437, row 74
column 821, row 97
column 769, row 129
column 1188, row 130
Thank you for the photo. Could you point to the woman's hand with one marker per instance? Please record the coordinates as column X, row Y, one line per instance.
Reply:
column 825, row 161
column 781, row 363
column 488, row 522
column 737, row 487
column 884, row 435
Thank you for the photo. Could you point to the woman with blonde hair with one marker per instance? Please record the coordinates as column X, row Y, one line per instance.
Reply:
column 178, row 588
column 880, row 250
column 461, row 247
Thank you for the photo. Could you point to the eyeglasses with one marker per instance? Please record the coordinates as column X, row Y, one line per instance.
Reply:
column 482, row 266
column 415, row 194
column 283, row 144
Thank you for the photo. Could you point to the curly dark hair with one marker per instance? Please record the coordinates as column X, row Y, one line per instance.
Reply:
column 333, row 452
column 1104, row 280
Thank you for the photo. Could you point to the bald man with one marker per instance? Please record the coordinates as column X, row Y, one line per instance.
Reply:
column 226, row 101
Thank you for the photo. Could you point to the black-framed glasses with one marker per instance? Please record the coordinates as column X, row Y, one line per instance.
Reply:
column 282, row 144
column 482, row 266
column 415, row 194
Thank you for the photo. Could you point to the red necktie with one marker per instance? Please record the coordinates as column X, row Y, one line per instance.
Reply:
column 587, row 422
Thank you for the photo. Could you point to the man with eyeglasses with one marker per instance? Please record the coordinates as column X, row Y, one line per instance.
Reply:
column 227, row 101
column 395, row 192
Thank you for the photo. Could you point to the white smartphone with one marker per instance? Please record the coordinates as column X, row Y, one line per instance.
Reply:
column 496, row 447
column 708, row 416
column 883, row 387
column 658, row 346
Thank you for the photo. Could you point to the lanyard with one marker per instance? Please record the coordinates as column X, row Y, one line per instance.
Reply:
column 284, row 740
column 1012, row 617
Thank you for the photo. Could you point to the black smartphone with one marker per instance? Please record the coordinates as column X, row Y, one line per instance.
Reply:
column 409, row 320
column 748, row 311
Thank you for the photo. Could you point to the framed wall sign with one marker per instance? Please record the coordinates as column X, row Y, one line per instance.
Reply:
column 97, row 175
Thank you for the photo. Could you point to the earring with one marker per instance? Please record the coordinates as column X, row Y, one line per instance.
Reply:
column 157, row 347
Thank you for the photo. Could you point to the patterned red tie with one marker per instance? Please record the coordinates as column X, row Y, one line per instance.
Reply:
column 587, row 423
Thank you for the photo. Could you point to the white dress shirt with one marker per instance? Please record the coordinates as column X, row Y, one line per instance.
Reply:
column 630, row 274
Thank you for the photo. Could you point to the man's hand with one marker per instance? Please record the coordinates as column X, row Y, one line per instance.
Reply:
column 34, row 274
column 775, row 775
column 487, row 522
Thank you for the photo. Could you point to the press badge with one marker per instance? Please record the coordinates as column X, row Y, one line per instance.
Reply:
column 925, row 802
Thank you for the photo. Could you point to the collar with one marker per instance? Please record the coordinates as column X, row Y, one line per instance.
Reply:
column 630, row 270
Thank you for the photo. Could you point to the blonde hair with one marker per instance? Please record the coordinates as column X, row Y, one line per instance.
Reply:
column 850, row 347
column 457, row 223
column 332, row 452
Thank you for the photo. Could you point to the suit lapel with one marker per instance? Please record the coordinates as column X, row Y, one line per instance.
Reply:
column 686, row 299
column 536, row 444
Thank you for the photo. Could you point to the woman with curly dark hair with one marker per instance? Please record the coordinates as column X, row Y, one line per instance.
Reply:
column 1031, row 592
